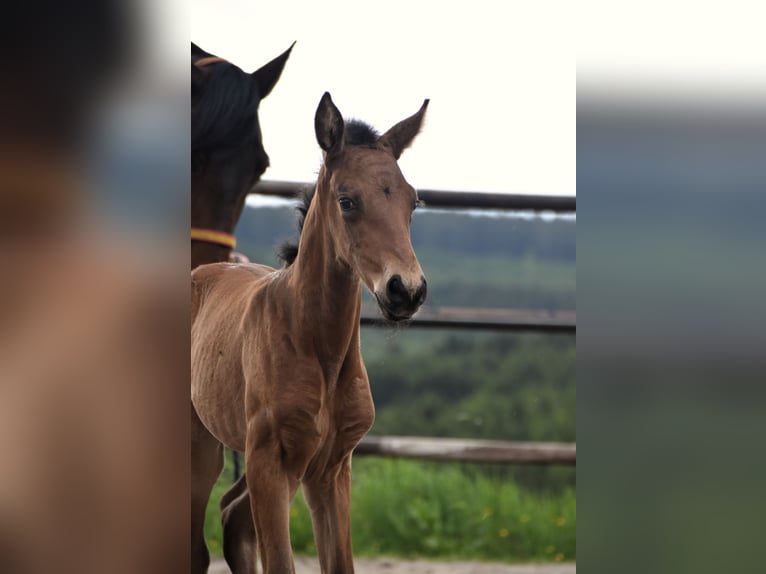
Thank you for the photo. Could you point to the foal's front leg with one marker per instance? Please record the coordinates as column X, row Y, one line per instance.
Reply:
column 280, row 444
column 329, row 498
column 271, row 491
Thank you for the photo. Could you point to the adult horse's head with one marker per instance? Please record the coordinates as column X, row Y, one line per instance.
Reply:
column 227, row 151
column 369, row 205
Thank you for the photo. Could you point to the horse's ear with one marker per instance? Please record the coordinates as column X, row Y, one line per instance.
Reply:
column 266, row 76
column 197, row 51
column 328, row 124
column 399, row 137
column 197, row 75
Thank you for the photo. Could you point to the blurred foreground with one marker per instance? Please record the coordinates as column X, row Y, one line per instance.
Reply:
column 93, row 308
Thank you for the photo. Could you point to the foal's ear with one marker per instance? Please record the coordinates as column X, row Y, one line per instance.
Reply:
column 266, row 76
column 399, row 137
column 328, row 125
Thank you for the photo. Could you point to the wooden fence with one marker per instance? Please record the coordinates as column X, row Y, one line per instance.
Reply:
column 485, row 319
column 467, row 450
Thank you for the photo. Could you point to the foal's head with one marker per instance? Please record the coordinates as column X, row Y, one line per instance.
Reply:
column 368, row 204
column 227, row 152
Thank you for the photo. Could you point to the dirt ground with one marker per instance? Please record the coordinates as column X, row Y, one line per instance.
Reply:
column 395, row 566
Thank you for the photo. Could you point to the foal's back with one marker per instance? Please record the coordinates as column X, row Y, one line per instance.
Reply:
column 221, row 295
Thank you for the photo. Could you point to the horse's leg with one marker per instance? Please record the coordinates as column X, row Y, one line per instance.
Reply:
column 271, row 491
column 207, row 463
column 238, row 529
column 329, row 498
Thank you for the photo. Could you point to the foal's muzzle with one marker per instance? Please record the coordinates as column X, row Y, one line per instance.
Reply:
column 400, row 302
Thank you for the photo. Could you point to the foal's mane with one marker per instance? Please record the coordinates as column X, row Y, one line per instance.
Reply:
column 356, row 133
column 224, row 108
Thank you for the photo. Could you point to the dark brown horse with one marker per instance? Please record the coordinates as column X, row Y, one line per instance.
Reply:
column 227, row 154
column 276, row 368
column 228, row 158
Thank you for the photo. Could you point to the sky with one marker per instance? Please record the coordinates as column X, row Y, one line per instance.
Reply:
column 503, row 77
column 500, row 77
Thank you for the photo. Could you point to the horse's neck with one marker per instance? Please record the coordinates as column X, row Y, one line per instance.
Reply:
column 211, row 208
column 208, row 212
column 203, row 252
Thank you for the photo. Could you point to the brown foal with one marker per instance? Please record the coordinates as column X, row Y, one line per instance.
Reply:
column 276, row 367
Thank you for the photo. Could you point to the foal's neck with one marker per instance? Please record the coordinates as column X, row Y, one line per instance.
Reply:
column 327, row 291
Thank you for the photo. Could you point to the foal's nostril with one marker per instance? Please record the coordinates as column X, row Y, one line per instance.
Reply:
column 401, row 297
column 397, row 292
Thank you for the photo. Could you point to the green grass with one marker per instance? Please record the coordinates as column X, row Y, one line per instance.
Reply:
column 409, row 509
column 213, row 529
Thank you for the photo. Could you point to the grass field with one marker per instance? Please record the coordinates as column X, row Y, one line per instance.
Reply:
column 408, row 509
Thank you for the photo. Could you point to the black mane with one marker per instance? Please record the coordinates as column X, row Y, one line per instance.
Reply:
column 355, row 132
column 288, row 250
column 224, row 108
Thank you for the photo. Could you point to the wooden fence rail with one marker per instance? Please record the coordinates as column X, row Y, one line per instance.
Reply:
column 486, row 319
column 454, row 199
column 468, row 450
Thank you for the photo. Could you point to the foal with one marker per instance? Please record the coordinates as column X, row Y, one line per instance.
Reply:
column 276, row 366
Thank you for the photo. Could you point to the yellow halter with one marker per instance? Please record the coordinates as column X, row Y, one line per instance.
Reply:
column 212, row 236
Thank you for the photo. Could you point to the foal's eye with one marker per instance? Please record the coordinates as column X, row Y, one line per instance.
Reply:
column 346, row 204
